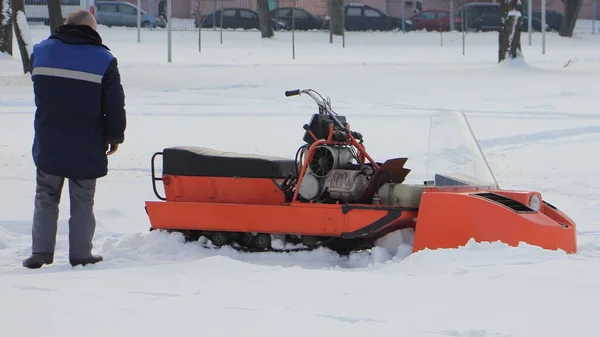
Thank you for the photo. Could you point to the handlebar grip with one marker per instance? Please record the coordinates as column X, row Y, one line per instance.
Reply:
column 289, row 93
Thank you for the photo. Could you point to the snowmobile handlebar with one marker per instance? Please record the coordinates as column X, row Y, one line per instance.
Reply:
column 321, row 102
column 324, row 104
column 325, row 109
column 289, row 93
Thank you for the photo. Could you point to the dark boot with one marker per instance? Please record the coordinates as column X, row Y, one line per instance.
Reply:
column 36, row 261
column 90, row 260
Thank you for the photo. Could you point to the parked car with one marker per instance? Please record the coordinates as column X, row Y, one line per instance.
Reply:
column 485, row 17
column 303, row 20
column 554, row 19
column 471, row 11
column 488, row 23
column 236, row 18
column 433, row 20
column 122, row 13
column 359, row 17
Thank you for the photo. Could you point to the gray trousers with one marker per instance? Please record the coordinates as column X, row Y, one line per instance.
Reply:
column 82, row 222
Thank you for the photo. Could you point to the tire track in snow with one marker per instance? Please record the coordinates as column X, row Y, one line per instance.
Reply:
column 524, row 139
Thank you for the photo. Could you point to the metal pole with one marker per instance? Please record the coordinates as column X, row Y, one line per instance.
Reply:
column 403, row 15
column 139, row 20
column 169, row 23
column 343, row 24
column 464, row 16
column 543, row 26
column 294, row 32
column 329, row 9
column 151, row 9
column 594, row 4
column 441, row 31
column 214, row 14
column 530, row 18
column 452, row 15
column 463, row 42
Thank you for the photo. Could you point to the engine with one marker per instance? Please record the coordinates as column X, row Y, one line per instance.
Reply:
column 332, row 175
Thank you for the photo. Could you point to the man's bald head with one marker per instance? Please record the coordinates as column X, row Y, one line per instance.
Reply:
column 81, row 17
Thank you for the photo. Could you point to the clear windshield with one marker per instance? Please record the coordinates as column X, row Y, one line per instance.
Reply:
column 454, row 157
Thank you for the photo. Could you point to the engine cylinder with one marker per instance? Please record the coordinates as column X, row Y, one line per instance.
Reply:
column 346, row 185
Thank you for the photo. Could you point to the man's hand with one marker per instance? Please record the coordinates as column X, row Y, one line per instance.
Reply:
column 112, row 147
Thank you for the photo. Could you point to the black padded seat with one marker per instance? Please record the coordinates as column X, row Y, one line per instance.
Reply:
column 201, row 161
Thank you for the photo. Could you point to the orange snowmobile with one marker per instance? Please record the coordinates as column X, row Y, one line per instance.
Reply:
column 335, row 195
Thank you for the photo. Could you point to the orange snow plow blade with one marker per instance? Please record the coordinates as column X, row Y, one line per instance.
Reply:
column 449, row 219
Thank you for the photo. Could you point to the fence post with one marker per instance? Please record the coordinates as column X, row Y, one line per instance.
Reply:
column 343, row 24
column 403, row 15
column 151, row 9
column 451, row 15
column 594, row 7
column 139, row 18
column 530, row 18
column 543, row 27
column 330, row 11
column 169, row 27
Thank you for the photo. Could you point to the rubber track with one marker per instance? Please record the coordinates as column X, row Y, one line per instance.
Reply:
column 268, row 250
column 338, row 245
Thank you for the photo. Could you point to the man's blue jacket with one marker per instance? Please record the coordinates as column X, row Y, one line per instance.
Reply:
column 80, row 103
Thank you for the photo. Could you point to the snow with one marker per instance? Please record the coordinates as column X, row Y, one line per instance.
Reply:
column 541, row 135
column 514, row 12
column 24, row 30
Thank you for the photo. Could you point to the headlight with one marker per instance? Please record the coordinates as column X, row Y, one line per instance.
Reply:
column 535, row 202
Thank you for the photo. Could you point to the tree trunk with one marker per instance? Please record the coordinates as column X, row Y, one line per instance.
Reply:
column 6, row 30
column 337, row 17
column 55, row 14
column 22, row 33
column 264, row 18
column 572, row 8
column 509, row 38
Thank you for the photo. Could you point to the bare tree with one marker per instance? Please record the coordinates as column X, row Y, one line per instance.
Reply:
column 509, row 38
column 572, row 8
column 22, row 33
column 264, row 18
column 55, row 14
column 6, row 31
column 336, row 10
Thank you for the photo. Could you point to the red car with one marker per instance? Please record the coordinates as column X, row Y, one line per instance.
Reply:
column 434, row 20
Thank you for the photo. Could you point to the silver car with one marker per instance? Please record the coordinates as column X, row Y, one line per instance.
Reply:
column 121, row 13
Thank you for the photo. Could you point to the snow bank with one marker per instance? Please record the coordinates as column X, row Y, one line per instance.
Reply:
column 160, row 246
column 516, row 63
column 394, row 246
column 5, row 56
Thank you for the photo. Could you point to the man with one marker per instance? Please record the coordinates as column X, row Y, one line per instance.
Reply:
column 80, row 116
column 418, row 7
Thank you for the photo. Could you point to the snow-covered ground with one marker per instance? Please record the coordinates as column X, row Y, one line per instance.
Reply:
column 538, row 124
